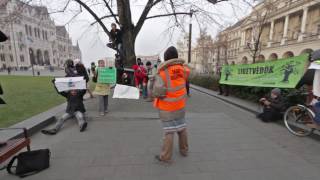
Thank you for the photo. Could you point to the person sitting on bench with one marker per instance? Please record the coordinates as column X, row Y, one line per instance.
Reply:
column 272, row 106
column 115, row 38
column 75, row 107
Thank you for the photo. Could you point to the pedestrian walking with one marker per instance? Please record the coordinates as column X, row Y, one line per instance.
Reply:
column 151, row 77
column 140, row 78
column 173, row 75
column 102, row 91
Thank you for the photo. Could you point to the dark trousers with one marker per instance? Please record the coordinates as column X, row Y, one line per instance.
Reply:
column 188, row 87
column 224, row 89
column 270, row 115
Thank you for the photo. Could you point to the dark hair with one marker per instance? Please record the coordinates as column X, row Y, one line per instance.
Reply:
column 69, row 63
column 170, row 53
column 148, row 63
column 113, row 24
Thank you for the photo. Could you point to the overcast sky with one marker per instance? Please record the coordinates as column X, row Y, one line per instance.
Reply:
column 152, row 39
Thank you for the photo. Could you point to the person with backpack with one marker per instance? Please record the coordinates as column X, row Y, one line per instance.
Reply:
column 171, row 97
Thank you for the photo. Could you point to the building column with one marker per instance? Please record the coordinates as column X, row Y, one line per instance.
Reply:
column 303, row 24
column 285, row 30
column 271, row 33
column 243, row 39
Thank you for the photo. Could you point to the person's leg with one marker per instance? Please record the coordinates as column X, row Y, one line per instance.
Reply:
column 220, row 89
column 61, row 121
column 167, row 147
column 144, row 90
column 226, row 89
column 58, row 125
column 101, row 105
column 188, row 87
column 81, row 121
column 106, row 103
column 183, row 142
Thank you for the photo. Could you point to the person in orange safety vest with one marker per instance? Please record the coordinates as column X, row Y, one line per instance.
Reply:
column 172, row 107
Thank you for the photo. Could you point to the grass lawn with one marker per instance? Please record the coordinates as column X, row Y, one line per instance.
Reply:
column 26, row 96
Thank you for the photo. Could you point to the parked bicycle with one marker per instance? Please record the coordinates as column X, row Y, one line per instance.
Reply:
column 299, row 118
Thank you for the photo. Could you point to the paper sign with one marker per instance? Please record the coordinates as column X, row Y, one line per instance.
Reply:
column 70, row 83
column 107, row 75
column 314, row 65
column 126, row 92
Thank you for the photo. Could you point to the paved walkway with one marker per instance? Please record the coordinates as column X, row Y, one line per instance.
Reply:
column 225, row 143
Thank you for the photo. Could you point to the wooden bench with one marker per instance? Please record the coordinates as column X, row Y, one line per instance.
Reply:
column 13, row 146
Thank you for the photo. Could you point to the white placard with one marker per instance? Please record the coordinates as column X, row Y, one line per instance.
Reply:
column 70, row 83
column 314, row 65
column 126, row 92
column 316, row 83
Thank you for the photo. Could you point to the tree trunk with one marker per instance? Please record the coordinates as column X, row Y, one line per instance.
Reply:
column 128, row 37
column 129, row 48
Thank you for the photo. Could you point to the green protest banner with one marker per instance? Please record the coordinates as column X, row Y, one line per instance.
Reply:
column 283, row 73
column 107, row 75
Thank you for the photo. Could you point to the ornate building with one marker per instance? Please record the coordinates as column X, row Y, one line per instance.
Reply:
column 34, row 39
column 282, row 29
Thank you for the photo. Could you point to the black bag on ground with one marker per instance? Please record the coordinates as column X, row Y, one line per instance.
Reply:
column 30, row 162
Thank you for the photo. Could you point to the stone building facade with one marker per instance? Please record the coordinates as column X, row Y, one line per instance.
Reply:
column 291, row 28
column 34, row 39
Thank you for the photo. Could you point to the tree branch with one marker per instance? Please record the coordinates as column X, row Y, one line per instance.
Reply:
column 112, row 13
column 170, row 14
column 144, row 15
column 104, row 17
column 105, row 29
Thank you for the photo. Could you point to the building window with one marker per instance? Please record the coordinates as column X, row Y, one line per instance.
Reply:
column 2, row 57
column 27, row 31
column 9, row 47
column 30, row 31
column 11, row 57
column 35, row 32
column 21, row 47
column 46, row 35
column 21, row 58
column 43, row 34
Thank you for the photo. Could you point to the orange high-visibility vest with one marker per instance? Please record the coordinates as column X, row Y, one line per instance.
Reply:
column 174, row 77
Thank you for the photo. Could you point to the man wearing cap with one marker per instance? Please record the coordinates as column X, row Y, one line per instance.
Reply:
column 273, row 106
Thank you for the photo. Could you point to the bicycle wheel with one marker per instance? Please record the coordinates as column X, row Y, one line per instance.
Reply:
column 296, row 119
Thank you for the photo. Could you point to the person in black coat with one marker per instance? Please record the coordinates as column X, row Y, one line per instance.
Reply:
column 1, row 93
column 273, row 106
column 3, row 37
column 75, row 107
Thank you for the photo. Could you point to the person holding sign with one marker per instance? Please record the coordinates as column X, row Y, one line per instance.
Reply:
column 75, row 107
column 105, row 77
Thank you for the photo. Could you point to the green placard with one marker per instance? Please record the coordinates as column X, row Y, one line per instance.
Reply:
column 107, row 75
column 282, row 73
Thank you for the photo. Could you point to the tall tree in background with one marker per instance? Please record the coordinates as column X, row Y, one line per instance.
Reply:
column 205, row 49
column 259, row 19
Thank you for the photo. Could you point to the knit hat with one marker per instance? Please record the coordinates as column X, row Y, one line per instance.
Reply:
column 276, row 91
column 170, row 53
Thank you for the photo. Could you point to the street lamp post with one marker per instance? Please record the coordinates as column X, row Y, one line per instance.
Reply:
column 190, row 35
column 31, row 60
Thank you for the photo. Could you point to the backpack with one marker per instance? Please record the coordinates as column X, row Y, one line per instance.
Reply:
column 159, row 89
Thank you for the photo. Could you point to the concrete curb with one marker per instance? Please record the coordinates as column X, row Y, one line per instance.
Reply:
column 33, row 124
column 248, row 106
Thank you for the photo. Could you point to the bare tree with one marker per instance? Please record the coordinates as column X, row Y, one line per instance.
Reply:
column 258, row 20
column 204, row 48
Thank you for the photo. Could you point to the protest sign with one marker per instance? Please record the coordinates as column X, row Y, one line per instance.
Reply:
column 126, row 92
column 283, row 73
column 107, row 75
column 70, row 83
